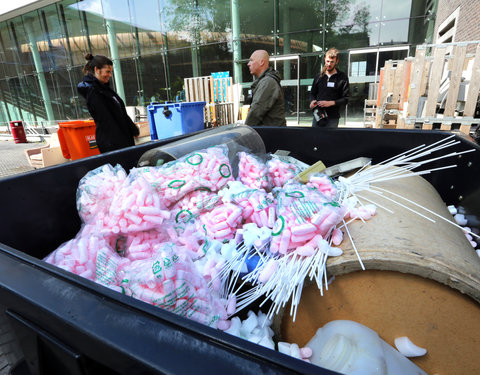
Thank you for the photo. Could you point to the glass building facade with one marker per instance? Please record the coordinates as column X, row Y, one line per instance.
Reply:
column 155, row 44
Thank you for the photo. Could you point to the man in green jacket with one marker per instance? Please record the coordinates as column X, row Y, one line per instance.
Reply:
column 267, row 107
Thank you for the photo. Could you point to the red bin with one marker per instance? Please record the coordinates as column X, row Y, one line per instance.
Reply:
column 18, row 132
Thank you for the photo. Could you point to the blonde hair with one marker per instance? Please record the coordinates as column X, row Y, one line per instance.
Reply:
column 332, row 53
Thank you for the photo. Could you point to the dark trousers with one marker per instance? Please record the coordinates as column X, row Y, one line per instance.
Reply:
column 325, row 123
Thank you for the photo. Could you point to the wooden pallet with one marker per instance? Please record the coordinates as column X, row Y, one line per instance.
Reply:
column 369, row 113
column 219, row 95
column 414, row 84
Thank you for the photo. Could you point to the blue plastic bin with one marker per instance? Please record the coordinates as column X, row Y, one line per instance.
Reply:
column 173, row 119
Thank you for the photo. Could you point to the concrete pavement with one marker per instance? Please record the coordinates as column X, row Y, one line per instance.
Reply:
column 12, row 157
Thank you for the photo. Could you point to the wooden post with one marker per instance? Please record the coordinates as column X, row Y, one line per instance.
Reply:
column 455, row 78
column 416, row 82
column 473, row 87
column 434, row 83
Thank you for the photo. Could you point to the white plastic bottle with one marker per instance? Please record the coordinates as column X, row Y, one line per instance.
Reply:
column 351, row 348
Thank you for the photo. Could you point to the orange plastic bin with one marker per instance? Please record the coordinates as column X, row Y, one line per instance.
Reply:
column 77, row 139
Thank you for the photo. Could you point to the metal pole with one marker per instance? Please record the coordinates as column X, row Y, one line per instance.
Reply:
column 236, row 43
column 117, row 69
column 41, row 74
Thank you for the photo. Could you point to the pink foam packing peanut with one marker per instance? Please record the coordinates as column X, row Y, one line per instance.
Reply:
column 136, row 207
column 324, row 184
column 364, row 212
column 207, row 169
column 171, row 281
column 90, row 257
column 303, row 215
column 222, row 221
column 281, row 172
column 252, row 172
column 258, row 207
column 96, row 191
column 193, row 205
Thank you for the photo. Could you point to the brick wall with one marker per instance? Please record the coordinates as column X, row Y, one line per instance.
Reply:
column 468, row 23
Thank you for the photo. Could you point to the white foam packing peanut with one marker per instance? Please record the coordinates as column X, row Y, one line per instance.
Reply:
column 257, row 329
column 408, row 348
column 460, row 219
column 453, row 210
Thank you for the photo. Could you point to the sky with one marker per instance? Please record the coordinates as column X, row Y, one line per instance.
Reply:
column 8, row 6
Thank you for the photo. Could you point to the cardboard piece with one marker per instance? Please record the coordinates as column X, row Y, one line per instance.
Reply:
column 432, row 315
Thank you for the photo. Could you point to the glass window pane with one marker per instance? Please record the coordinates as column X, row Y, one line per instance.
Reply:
column 300, row 42
column 6, row 58
column 418, row 30
column 130, row 82
column 6, row 101
column 66, row 93
column 354, row 14
column 146, row 25
column 54, row 35
column 250, row 45
column 93, row 27
column 152, row 79
column 346, row 37
column 36, row 104
column 309, row 66
column 55, row 98
column 300, row 15
column 81, row 104
column 392, row 9
column 117, row 18
column 214, row 21
column 394, row 32
column 216, row 58
column 363, row 65
column 21, row 49
column 179, row 67
column 178, row 22
column 76, row 27
column 256, row 18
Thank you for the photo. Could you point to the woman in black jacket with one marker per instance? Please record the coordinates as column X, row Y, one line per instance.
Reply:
column 114, row 128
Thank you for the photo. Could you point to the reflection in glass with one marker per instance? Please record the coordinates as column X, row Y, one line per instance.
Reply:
column 65, row 89
column 54, row 35
column 79, row 101
column 256, row 18
column 22, row 56
column 117, row 17
column 214, row 23
column 392, row 9
column 93, row 27
column 130, row 82
column 154, row 82
column 394, row 32
column 180, row 67
column 215, row 58
column 300, row 15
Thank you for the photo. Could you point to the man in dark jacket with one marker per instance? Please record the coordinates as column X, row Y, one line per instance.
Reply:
column 267, row 107
column 330, row 91
column 114, row 128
